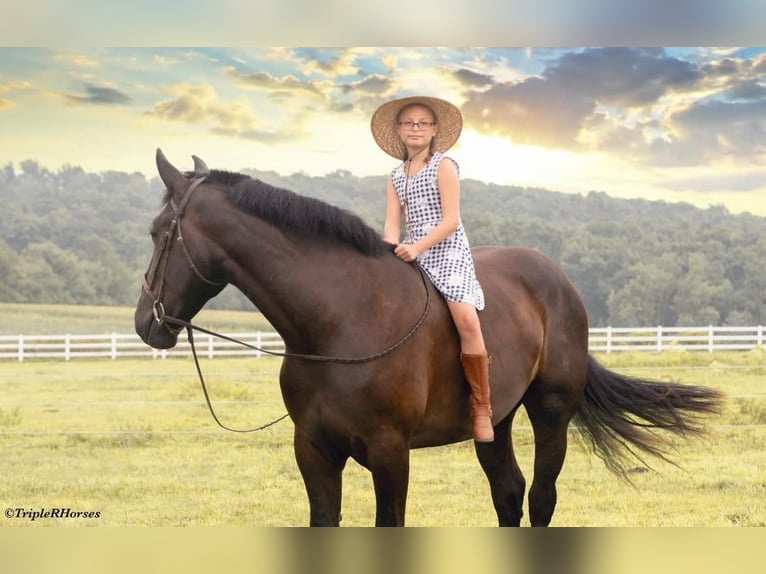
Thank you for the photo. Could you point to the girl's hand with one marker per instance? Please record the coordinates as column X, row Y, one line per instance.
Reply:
column 406, row 253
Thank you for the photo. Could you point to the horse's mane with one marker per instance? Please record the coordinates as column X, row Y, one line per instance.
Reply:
column 299, row 214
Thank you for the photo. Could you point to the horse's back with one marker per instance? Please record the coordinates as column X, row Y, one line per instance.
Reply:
column 517, row 275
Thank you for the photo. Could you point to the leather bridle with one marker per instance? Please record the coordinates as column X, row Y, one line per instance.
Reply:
column 162, row 257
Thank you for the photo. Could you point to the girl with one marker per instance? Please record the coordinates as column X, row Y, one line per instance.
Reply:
column 425, row 189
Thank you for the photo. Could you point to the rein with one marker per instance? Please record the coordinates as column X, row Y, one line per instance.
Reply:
column 180, row 323
column 176, row 325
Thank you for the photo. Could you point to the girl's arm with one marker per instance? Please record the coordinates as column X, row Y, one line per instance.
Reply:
column 392, row 225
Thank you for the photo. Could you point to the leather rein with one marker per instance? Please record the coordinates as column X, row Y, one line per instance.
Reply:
column 176, row 325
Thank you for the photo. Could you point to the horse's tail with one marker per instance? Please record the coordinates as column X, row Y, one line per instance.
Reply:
column 621, row 414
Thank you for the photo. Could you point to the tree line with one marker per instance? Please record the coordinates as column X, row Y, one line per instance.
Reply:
column 73, row 237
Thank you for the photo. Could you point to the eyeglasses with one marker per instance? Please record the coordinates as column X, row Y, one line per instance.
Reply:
column 409, row 126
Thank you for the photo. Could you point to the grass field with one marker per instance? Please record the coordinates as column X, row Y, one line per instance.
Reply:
column 132, row 441
column 39, row 319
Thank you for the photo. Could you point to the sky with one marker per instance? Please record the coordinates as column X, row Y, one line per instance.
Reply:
column 672, row 124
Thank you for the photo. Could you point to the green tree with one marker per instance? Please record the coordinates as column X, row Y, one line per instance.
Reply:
column 646, row 298
column 9, row 281
column 594, row 261
column 700, row 291
column 49, row 274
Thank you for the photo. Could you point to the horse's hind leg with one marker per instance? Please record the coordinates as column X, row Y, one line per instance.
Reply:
column 322, row 476
column 550, row 410
column 506, row 481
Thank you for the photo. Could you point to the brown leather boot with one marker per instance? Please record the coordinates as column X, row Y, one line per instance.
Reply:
column 476, row 369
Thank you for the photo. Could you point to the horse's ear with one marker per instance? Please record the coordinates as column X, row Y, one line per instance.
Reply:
column 200, row 167
column 173, row 179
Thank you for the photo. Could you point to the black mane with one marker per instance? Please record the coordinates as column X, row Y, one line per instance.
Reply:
column 299, row 214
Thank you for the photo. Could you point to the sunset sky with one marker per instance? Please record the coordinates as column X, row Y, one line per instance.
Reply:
column 681, row 124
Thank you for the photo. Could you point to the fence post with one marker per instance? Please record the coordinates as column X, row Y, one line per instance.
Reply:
column 210, row 347
column 114, row 346
column 67, row 347
column 21, row 349
column 710, row 333
column 608, row 339
column 760, row 336
column 258, row 342
column 659, row 338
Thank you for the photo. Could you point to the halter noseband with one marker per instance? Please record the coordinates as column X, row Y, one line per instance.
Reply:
column 163, row 257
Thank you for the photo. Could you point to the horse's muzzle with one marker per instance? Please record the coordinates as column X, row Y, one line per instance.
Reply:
column 154, row 330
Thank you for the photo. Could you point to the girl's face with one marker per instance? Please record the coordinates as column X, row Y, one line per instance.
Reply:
column 417, row 126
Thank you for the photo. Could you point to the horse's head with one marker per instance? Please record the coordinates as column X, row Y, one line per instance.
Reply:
column 181, row 276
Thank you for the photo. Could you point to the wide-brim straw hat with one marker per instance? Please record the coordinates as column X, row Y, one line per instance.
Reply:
column 449, row 124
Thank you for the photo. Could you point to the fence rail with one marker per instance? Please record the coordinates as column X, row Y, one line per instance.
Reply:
column 604, row 339
column 660, row 338
column 23, row 347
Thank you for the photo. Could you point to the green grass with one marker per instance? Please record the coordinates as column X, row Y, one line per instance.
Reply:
column 40, row 319
column 133, row 440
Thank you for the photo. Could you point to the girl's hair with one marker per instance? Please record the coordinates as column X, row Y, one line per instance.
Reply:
column 431, row 144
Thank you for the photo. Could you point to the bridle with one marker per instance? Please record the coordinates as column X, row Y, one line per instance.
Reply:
column 175, row 325
column 163, row 257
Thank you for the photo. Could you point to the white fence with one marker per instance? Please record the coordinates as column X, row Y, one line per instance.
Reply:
column 608, row 339
column 23, row 347
column 656, row 339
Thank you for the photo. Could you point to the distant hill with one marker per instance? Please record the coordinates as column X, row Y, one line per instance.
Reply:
column 81, row 238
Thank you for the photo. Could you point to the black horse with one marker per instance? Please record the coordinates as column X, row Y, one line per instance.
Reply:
column 333, row 289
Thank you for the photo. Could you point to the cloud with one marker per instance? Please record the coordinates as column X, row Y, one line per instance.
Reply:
column 374, row 84
column 622, row 76
column 747, row 90
column 552, row 108
column 78, row 60
column 331, row 62
column 644, row 104
column 99, row 95
column 281, row 85
column 6, row 87
column 529, row 112
column 199, row 104
column 13, row 86
column 298, row 92
column 720, row 130
column 473, row 79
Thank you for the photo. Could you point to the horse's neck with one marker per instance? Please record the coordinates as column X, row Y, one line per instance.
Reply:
column 313, row 293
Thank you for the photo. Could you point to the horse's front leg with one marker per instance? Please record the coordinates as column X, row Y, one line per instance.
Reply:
column 388, row 458
column 322, row 475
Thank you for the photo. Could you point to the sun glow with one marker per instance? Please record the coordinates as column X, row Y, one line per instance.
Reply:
column 497, row 160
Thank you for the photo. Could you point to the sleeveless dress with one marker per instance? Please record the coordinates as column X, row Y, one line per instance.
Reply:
column 449, row 263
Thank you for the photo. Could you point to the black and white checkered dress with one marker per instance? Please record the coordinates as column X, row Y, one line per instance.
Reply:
column 449, row 263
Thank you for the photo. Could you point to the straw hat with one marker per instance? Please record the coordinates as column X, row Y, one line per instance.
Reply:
column 384, row 128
